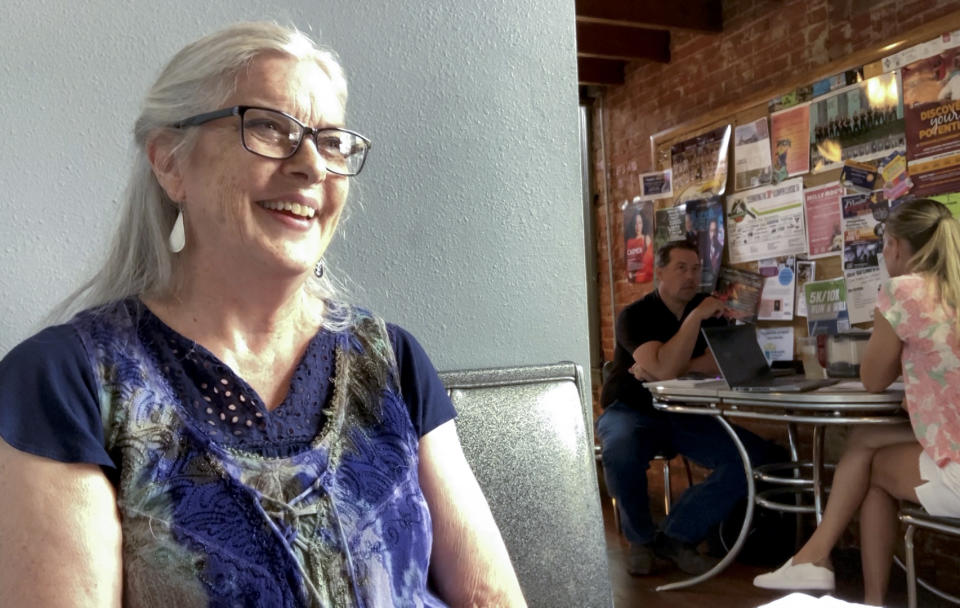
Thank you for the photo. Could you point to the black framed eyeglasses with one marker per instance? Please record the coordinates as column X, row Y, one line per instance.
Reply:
column 275, row 134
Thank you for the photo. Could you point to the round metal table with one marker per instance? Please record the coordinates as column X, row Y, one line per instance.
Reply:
column 843, row 404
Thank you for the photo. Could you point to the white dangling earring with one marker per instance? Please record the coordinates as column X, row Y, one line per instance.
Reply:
column 318, row 269
column 178, row 237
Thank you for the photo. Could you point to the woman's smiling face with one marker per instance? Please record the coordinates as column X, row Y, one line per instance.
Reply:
column 247, row 212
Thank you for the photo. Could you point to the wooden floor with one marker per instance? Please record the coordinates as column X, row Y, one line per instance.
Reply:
column 734, row 587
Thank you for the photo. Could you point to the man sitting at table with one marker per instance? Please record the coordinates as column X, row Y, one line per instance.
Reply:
column 658, row 337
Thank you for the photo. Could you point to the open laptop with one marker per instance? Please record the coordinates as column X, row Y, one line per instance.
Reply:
column 743, row 366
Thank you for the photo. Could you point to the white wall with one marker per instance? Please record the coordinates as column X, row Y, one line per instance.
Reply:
column 466, row 226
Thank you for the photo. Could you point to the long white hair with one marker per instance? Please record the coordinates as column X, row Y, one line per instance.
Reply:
column 200, row 78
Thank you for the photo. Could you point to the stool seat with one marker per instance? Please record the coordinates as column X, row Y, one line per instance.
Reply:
column 914, row 516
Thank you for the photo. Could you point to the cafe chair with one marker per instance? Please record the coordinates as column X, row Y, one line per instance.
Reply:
column 525, row 433
column 663, row 458
column 915, row 517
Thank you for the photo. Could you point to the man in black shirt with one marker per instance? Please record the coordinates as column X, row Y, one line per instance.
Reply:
column 658, row 337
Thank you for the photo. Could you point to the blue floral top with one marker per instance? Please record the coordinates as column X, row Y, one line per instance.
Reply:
column 223, row 503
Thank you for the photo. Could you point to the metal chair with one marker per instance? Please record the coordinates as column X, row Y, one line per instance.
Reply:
column 664, row 459
column 524, row 431
column 916, row 517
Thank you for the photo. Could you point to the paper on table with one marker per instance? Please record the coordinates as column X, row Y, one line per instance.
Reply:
column 854, row 386
column 800, row 600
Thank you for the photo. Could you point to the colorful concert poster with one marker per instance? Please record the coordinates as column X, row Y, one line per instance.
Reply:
column 790, row 141
column 931, row 106
column 638, row 240
column 862, row 122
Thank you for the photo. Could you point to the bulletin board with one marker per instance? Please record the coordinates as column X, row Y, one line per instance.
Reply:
column 858, row 120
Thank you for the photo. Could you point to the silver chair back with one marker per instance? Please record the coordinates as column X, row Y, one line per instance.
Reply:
column 524, row 431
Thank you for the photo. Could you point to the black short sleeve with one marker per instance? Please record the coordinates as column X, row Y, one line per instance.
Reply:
column 49, row 402
column 422, row 390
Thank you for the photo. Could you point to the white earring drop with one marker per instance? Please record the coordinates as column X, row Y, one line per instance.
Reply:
column 178, row 238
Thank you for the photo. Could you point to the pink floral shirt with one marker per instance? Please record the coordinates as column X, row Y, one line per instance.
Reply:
column 930, row 360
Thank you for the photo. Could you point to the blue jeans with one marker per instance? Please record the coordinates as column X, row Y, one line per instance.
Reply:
column 631, row 438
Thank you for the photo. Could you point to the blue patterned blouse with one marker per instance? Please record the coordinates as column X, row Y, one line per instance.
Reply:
column 223, row 503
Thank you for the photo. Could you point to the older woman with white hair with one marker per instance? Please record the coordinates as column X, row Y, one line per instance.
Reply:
column 217, row 426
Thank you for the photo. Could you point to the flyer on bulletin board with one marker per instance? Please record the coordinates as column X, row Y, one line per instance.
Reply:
column 823, row 220
column 751, row 154
column 863, row 215
column 766, row 222
column 790, row 141
column 827, row 307
column 658, row 184
column 862, row 287
column 779, row 280
column 806, row 271
column 776, row 343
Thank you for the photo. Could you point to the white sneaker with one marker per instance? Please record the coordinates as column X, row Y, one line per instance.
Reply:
column 800, row 577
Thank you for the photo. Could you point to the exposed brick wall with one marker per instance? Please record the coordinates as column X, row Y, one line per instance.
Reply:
column 764, row 42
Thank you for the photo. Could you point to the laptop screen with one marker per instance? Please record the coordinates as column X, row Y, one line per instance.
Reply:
column 737, row 353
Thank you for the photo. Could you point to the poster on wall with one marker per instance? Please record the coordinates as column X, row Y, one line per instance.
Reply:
column 751, row 155
column 699, row 222
column 706, row 222
column 823, row 220
column 806, row 272
column 931, row 107
column 861, row 122
column 638, row 240
column 779, row 283
column 827, row 307
column 658, row 184
column 863, row 216
column 862, row 286
column 766, row 222
column 699, row 165
column 790, row 141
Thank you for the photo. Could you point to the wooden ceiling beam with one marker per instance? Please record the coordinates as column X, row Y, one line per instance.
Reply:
column 697, row 15
column 602, row 41
column 600, row 71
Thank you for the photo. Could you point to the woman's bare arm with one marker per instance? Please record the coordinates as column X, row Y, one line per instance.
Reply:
column 59, row 534
column 469, row 563
column 881, row 359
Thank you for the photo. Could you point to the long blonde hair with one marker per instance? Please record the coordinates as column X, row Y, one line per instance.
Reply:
column 198, row 79
column 934, row 236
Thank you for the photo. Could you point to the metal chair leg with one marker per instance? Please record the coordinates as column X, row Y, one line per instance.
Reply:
column 667, row 493
column 911, row 568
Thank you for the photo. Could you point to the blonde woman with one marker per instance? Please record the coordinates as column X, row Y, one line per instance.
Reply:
column 917, row 333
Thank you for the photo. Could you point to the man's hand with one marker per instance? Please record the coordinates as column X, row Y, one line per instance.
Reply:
column 641, row 374
column 709, row 308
